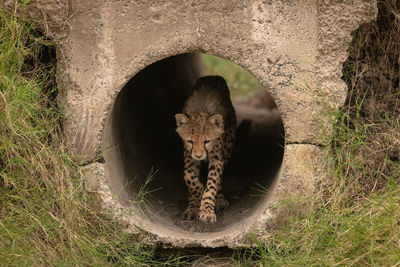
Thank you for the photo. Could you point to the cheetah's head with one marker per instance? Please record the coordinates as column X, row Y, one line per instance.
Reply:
column 199, row 132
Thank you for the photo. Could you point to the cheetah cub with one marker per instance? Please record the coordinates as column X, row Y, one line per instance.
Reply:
column 207, row 127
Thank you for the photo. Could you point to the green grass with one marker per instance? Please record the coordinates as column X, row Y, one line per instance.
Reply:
column 362, row 235
column 242, row 84
column 47, row 217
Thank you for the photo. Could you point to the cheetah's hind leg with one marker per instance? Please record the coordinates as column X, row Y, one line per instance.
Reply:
column 222, row 204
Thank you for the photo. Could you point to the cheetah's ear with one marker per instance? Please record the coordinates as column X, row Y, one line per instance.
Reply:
column 181, row 119
column 217, row 120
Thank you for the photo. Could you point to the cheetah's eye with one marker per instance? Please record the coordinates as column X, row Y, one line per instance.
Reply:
column 207, row 141
column 190, row 142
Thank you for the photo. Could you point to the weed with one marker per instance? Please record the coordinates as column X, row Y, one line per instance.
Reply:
column 47, row 217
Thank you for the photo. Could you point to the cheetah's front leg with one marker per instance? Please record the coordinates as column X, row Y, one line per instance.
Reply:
column 195, row 187
column 215, row 168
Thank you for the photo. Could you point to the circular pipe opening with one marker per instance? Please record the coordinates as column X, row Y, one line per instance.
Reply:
column 144, row 154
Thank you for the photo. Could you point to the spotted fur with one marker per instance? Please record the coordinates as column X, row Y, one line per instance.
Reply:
column 207, row 127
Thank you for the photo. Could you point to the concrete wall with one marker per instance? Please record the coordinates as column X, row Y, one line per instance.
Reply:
column 295, row 48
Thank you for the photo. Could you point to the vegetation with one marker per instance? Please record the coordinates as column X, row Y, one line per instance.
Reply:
column 241, row 83
column 47, row 217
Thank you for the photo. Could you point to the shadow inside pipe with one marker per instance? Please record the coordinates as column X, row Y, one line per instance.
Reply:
column 143, row 127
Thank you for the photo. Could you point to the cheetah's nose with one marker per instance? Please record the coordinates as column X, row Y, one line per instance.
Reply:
column 198, row 156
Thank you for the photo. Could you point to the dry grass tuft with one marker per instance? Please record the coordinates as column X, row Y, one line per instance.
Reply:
column 47, row 217
column 367, row 139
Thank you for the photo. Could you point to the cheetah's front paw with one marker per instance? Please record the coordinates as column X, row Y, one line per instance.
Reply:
column 207, row 216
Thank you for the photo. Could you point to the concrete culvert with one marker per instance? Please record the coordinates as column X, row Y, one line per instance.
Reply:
column 118, row 104
column 144, row 154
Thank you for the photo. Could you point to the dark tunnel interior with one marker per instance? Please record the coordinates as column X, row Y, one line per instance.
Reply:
column 143, row 128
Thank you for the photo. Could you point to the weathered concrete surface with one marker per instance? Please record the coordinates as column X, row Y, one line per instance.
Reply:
column 295, row 48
